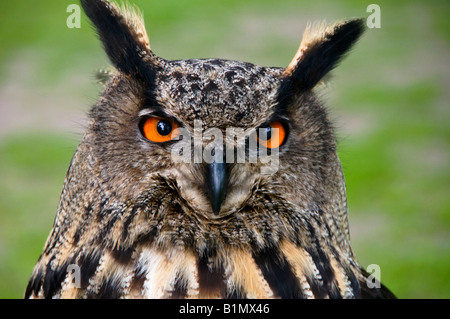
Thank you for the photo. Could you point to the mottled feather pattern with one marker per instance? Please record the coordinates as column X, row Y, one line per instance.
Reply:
column 137, row 224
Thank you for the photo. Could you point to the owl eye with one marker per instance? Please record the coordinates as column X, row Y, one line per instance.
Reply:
column 157, row 129
column 272, row 135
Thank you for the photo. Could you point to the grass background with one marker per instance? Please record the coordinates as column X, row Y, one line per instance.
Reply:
column 389, row 99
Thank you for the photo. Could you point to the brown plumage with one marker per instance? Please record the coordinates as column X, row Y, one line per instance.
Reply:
column 140, row 223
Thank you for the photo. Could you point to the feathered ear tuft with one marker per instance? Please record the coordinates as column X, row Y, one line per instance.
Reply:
column 322, row 47
column 124, row 38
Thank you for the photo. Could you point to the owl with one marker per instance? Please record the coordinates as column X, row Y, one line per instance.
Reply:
column 204, row 178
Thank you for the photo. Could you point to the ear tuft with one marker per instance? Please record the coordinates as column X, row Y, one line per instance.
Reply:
column 123, row 34
column 322, row 47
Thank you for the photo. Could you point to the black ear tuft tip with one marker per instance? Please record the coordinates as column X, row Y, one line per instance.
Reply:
column 349, row 32
column 343, row 39
column 357, row 24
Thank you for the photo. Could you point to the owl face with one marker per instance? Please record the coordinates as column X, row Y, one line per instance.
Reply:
column 209, row 100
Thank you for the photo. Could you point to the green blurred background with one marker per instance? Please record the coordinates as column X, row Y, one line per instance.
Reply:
column 389, row 99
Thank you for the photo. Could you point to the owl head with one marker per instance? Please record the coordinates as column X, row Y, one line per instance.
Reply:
column 216, row 138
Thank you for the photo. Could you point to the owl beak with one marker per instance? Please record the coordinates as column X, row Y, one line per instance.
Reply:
column 218, row 183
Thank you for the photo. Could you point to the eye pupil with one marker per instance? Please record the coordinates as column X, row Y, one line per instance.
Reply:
column 272, row 135
column 164, row 127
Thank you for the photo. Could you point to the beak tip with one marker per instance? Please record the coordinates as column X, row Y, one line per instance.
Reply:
column 216, row 209
column 217, row 198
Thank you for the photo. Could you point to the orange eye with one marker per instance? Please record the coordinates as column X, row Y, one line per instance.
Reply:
column 157, row 129
column 271, row 136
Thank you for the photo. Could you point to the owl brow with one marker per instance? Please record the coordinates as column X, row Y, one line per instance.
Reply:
column 154, row 111
column 277, row 116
